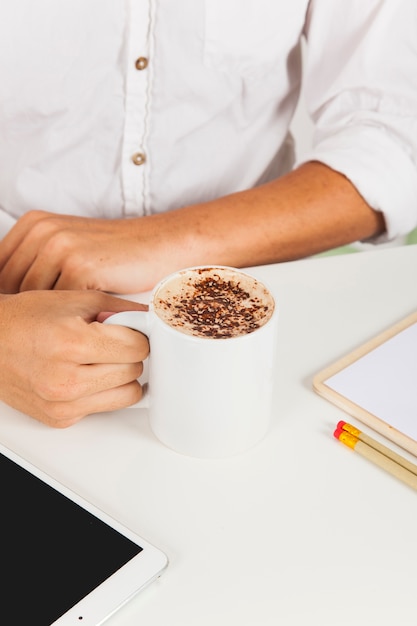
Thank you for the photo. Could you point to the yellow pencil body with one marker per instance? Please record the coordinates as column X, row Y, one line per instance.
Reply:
column 384, row 462
column 411, row 467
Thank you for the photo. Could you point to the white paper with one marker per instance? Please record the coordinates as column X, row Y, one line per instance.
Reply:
column 384, row 381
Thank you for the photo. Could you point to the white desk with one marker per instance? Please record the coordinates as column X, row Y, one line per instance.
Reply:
column 299, row 530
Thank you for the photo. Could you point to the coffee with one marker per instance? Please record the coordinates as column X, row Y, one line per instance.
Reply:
column 213, row 302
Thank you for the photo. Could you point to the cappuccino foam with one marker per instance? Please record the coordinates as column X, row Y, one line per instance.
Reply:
column 216, row 303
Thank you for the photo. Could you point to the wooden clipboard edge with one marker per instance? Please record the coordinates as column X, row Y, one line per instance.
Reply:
column 371, row 420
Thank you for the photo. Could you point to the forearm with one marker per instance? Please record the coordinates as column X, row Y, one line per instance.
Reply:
column 305, row 212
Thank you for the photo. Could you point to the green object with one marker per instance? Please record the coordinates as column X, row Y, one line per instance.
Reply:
column 412, row 237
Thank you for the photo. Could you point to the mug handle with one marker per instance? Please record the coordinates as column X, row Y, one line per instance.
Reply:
column 140, row 321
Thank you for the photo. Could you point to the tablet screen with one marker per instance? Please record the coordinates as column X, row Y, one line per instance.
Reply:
column 53, row 551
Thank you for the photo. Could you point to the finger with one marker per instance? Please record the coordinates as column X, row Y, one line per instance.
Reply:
column 39, row 276
column 28, row 268
column 108, row 344
column 111, row 399
column 36, row 260
column 42, row 273
column 116, row 304
column 10, row 242
column 57, row 263
column 109, row 303
column 50, row 251
column 81, row 270
column 64, row 414
column 86, row 304
column 14, row 238
column 15, row 268
column 72, row 384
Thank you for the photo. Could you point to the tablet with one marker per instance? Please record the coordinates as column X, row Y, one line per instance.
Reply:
column 63, row 561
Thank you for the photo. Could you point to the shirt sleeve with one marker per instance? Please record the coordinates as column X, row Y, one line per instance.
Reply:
column 361, row 93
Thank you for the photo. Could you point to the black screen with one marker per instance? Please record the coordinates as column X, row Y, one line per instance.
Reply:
column 52, row 551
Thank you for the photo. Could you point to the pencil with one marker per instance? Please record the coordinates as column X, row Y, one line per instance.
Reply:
column 376, row 457
column 378, row 446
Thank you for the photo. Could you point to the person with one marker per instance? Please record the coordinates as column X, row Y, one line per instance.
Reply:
column 59, row 364
column 137, row 138
column 154, row 135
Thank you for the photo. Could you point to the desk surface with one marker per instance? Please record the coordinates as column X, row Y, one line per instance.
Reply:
column 299, row 530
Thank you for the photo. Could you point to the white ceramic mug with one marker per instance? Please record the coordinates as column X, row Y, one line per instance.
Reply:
column 209, row 393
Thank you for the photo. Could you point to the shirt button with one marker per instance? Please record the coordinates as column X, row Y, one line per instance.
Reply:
column 138, row 158
column 141, row 63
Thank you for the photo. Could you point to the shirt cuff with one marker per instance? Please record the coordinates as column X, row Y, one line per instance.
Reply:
column 381, row 171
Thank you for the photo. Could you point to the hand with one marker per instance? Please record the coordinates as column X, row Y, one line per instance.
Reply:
column 49, row 251
column 58, row 364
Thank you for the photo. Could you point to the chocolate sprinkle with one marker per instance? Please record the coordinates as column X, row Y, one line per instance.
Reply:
column 216, row 307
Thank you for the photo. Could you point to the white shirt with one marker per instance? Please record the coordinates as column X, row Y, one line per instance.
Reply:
column 113, row 108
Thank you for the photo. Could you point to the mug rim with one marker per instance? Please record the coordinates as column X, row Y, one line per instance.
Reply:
column 213, row 266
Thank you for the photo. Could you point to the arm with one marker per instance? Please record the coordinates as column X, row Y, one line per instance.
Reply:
column 359, row 83
column 57, row 364
column 309, row 210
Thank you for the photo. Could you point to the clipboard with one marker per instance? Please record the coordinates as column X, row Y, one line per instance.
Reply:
column 377, row 383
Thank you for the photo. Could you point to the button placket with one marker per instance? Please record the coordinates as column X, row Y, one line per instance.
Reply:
column 135, row 177
column 139, row 158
